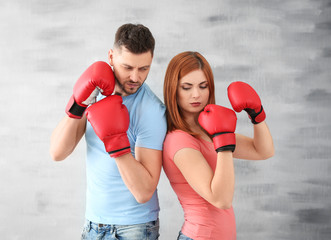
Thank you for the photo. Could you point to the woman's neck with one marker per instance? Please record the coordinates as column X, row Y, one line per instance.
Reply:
column 192, row 121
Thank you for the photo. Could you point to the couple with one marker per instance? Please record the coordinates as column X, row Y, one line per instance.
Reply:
column 126, row 128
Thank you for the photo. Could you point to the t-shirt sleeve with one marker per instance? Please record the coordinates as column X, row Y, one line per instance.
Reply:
column 178, row 140
column 152, row 127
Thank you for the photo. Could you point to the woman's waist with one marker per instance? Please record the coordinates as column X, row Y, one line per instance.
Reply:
column 202, row 212
column 209, row 223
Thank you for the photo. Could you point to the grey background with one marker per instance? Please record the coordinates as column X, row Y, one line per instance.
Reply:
column 282, row 48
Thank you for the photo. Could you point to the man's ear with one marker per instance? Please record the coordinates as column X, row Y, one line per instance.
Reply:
column 110, row 57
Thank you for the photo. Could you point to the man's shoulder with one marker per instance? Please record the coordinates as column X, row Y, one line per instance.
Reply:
column 149, row 92
column 150, row 99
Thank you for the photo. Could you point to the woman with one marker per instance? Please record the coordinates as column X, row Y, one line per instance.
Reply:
column 200, row 145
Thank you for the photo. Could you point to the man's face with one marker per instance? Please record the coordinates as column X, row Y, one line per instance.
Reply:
column 130, row 69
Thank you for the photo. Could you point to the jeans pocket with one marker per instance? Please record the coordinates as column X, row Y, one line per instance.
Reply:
column 84, row 233
column 86, row 230
column 181, row 236
column 153, row 230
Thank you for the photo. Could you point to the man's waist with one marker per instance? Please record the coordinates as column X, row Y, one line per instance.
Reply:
column 105, row 225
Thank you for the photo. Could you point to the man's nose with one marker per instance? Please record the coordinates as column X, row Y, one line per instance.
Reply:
column 134, row 76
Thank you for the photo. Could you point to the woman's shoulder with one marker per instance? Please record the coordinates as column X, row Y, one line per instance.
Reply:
column 180, row 139
column 177, row 140
column 179, row 134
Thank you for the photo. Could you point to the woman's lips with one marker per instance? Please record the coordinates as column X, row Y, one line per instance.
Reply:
column 196, row 104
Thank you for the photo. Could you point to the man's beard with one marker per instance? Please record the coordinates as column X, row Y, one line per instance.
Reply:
column 129, row 91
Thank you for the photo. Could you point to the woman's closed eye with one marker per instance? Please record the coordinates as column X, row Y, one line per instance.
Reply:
column 186, row 88
column 204, row 86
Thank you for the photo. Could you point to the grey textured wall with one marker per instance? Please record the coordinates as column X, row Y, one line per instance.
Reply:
column 282, row 48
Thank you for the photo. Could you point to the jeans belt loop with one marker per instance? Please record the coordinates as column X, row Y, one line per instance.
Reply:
column 89, row 226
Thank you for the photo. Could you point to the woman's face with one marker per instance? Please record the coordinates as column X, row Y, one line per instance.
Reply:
column 193, row 92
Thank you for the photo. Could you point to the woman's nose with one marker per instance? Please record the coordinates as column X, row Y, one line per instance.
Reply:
column 196, row 92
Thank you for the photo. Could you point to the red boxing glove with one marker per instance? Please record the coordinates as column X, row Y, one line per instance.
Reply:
column 98, row 77
column 110, row 121
column 243, row 97
column 220, row 122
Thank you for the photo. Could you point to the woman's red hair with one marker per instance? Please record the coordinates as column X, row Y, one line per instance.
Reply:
column 178, row 67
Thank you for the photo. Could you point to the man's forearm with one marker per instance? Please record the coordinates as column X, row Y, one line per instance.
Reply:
column 65, row 137
column 140, row 179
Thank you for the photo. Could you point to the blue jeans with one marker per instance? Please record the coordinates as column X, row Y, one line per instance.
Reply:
column 181, row 236
column 93, row 231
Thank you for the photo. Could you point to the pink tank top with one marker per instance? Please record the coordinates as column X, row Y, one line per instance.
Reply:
column 202, row 220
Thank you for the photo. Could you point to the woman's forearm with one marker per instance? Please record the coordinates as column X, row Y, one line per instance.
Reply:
column 262, row 140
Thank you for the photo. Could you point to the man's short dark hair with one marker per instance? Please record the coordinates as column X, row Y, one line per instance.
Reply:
column 135, row 37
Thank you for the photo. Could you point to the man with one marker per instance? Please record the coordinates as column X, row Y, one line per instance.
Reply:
column 124, row 142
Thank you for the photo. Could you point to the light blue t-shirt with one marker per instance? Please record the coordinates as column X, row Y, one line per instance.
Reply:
column 108, row 200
